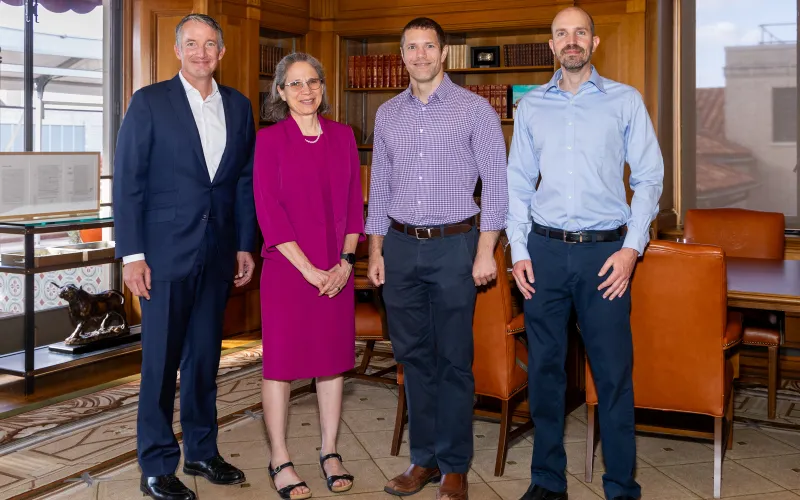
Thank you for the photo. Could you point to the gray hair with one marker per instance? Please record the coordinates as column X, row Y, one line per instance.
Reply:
column 276, row 109
column 200, row 18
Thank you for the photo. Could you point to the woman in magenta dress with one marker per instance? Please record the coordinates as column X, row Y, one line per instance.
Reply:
column 310, row 209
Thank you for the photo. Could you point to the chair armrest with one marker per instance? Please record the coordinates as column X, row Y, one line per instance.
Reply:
column 733, row 330
column 363, row 283
column 517, row 325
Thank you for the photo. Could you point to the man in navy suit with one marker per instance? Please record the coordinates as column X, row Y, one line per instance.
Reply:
column 185, row 219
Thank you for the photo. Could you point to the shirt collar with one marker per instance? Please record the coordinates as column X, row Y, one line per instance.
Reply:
column 442, row 92
column 189, row 88
column 595, row 79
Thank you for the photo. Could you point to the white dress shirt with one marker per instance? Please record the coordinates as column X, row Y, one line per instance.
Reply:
column 209, row 116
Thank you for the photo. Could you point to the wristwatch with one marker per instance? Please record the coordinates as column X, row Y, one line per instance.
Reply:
column 350, row 258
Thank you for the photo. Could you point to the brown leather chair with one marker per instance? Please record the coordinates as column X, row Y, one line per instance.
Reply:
column 754, row 235
column 499, row 363
column 681, row 332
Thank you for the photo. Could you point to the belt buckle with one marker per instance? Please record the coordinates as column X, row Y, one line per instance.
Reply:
column 564, row 238
column 424, row 229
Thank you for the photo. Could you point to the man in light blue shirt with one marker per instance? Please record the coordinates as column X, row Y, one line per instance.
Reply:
column 578, row 236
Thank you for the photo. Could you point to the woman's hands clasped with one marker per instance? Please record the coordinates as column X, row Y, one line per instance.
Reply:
column 337, row 279
column 330, row 282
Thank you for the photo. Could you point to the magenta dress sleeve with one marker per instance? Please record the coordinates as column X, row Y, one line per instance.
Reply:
column 355, row 202
column 272, row 218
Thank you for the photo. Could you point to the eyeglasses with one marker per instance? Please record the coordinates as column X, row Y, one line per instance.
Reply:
column 297, row 85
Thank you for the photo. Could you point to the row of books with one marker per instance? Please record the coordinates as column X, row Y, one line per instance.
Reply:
column 459, row 57
column 376, row 71
column 528, row 54
column 503, row 98
column 270, row 56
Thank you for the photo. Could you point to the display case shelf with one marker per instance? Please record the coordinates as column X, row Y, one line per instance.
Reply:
column 32, row 360
column 47, row 361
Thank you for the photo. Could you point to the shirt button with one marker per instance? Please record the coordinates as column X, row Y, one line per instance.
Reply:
column 419, row 202
column 420, row 177
column 570, row 124
column 570, row 172
column 420, row 131
column 569, row 147
column 420, row 155
column 569, row 197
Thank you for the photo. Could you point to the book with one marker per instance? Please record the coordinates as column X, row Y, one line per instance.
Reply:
column 517, row 92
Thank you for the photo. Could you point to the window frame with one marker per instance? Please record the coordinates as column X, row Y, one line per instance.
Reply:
column 685, row 125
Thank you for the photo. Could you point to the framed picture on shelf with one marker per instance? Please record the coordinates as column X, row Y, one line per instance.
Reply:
column 486, row 57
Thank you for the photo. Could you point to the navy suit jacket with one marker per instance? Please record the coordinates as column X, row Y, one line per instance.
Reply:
column 164, row 199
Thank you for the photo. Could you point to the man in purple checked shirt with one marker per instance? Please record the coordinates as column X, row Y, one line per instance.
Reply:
column 431, row 143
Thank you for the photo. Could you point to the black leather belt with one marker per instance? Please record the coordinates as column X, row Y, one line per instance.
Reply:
column 581, row 236
column 428, row 232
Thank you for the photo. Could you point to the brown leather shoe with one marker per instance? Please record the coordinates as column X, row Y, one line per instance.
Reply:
column 453, row 487
column 412, row 480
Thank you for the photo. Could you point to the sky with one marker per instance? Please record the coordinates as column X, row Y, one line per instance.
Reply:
column 725, row 23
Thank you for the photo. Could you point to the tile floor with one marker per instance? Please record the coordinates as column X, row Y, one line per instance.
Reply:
column 763, row 464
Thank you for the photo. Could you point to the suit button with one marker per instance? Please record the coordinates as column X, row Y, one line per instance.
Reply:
column 205, row 217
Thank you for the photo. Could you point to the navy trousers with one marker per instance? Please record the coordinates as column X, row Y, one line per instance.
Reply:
column 430, row 300
column 566, row 275
column 181, row 329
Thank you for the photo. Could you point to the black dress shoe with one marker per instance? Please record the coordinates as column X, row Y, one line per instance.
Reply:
column 167, row 487
column 216, row 470
column 536, row 492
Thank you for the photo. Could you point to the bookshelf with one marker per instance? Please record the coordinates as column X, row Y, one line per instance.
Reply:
column 273, row 46
column 523, row 58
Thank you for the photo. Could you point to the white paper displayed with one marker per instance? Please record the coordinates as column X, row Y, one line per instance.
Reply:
column 41, row 184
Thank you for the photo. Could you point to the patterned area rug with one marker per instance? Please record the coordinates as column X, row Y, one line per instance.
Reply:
column 751, row 405
column 44, row 447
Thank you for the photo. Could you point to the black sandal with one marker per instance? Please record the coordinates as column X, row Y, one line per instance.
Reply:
column 285, row 492
column 333, row 479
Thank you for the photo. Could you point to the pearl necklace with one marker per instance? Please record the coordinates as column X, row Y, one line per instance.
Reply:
column 318, row 135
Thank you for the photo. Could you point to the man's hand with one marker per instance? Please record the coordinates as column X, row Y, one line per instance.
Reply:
column 622, row 263
column 484, row 269
column 246, row 268
column 136, row 276
column 375, row 270
column 523, row 275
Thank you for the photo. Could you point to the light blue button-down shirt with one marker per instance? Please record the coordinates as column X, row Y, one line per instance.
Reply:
column 578, row 144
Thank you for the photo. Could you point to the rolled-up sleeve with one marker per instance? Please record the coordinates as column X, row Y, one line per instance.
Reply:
column 489, row 149
column 379, row 193
column 272, row 218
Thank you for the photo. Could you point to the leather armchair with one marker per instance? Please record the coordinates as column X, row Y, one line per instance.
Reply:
column 754, row 235
column 499, row 364
column 681, row 332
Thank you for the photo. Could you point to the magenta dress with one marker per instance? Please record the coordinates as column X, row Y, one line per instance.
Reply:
column 310, row 194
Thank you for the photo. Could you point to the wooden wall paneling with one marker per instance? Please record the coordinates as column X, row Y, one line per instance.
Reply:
column 152, row 26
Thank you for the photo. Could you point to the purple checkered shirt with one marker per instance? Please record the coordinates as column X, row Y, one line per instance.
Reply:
column 427, row 158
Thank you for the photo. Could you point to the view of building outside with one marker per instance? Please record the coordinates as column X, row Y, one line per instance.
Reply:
column 746, row 96
column 68, row 98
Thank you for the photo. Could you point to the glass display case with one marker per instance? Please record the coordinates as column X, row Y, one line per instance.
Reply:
column 39, row 259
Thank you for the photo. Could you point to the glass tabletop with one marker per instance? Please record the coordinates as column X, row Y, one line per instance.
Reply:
column 98, row 218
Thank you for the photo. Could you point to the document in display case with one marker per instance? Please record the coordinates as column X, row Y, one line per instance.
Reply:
column 45, row 184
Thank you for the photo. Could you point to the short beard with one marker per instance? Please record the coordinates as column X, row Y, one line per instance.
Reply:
column 573, row 65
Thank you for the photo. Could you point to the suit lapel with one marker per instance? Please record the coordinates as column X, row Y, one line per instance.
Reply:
column 180, row 104
column 230, row 122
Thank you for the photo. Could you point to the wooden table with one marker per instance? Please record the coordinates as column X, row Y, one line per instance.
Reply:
column 773, row 285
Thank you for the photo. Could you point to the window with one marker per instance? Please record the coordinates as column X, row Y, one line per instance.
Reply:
column 69, row 104
column 738, row 115
column 784, row 114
